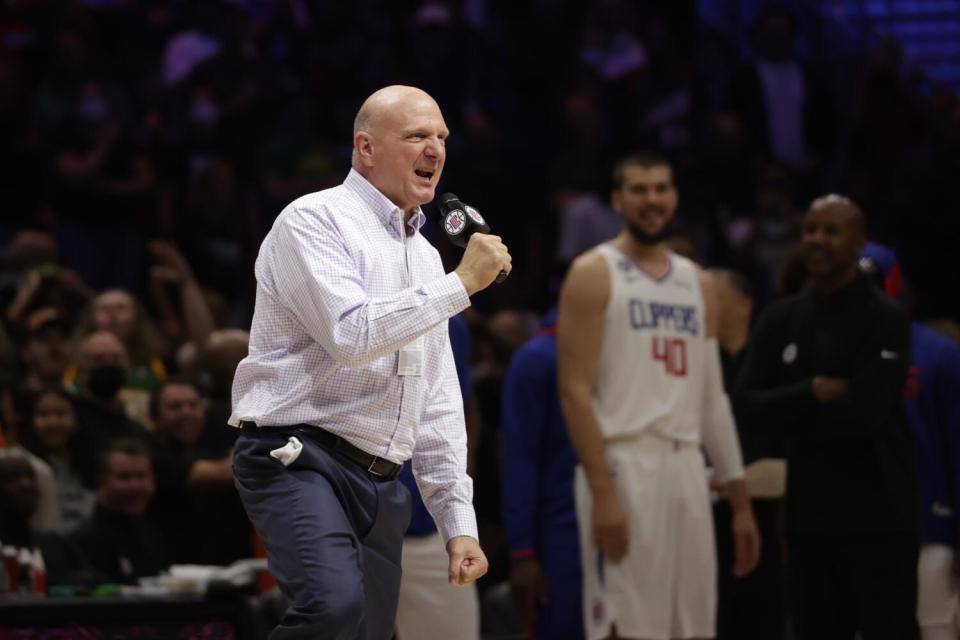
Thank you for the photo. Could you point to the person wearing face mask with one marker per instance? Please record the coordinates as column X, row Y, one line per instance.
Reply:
column 641, row 390
column 55, row 435
column 118, row 312
column 102, row 369
column 196, row 506
column 351, row 373
column 117, row 540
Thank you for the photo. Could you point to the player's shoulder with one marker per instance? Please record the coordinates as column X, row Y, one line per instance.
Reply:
column 685, row 263
column 589, row 270
column 591, row 260
column 539, row 353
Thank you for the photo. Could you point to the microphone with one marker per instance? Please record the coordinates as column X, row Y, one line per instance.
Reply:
column 460, row 221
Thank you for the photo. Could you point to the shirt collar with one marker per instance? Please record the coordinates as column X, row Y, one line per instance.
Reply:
column 380, row 204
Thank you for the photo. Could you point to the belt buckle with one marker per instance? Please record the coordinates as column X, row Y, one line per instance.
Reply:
column 370, row 468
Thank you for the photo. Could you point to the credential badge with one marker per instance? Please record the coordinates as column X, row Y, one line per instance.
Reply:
column 790, row 353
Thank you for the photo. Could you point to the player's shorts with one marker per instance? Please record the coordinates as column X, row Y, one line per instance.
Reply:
column 665, row 587
column 937, row 588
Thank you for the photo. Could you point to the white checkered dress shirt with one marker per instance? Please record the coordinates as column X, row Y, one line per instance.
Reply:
column 342, row 285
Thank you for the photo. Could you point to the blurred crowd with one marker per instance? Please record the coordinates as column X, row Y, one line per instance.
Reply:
column 149, row 146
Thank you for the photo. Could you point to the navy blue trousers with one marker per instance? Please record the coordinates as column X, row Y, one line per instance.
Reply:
column 333, row 533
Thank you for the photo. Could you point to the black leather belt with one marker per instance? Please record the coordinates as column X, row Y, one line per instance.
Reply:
column 374, row 465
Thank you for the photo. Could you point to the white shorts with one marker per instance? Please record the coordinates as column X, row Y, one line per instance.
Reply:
column 937, row 588
column 665, row 587
column 429, row 606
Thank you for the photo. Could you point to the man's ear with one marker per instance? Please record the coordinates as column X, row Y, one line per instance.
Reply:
column 615, row 201
column 363, row 148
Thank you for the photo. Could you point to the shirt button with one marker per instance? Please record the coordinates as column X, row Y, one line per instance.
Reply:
column 451, row 309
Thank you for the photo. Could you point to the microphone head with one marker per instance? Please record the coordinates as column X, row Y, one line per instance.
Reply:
column 448, row 201
column 459, row 220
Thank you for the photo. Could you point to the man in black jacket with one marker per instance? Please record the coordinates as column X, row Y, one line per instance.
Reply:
column 117, row 540
column 827, row 367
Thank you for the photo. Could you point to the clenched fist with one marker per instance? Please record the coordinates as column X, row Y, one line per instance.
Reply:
column 486, row 256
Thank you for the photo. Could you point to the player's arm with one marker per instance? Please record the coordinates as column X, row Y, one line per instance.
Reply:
column 721, row 442
column 583, row 302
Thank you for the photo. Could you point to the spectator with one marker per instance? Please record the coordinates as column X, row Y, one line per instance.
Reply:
column 47, row 285
column 196, row 507
column 102, row 367
column 55, row 435
column 20, row 498
column 791, row 111
column 827, row 368
column 45, row 349
column 117, row 540
column 216, row 364
column 102, row 187
column 120, row 313
column 188, row 320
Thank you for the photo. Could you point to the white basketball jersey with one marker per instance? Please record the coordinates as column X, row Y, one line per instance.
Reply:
column 650, row 377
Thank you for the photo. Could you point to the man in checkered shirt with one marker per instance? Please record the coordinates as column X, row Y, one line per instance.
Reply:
column 350, row 373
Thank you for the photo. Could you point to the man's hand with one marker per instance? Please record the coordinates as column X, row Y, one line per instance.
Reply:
column 467, row 561
column 528, row 588
column 486, row 256
column 746, row 542
column 610, row 533
column 827, row 389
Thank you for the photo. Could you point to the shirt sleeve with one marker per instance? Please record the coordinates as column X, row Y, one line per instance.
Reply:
column 720, row 438
column 440, row 454
column 318, row 279
column 523, row 418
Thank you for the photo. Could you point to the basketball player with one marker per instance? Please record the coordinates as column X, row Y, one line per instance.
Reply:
column 642, row 391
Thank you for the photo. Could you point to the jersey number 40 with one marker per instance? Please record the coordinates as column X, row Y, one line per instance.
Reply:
column 672, row 352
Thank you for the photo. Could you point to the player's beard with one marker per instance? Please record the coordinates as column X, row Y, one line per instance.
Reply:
column 645, row 238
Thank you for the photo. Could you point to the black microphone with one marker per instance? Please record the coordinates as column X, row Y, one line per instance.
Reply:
column 460, row 221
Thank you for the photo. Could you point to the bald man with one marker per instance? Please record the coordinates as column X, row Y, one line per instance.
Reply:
column 350, row 373
column 827, row 368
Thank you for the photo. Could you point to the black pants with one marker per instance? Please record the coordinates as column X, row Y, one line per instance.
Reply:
column 845, row 584
column 752, row 607
column 333, row 534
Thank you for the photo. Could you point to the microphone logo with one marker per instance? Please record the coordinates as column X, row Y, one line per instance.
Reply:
column 454, row 222
column 460, row 221
column 475, row 215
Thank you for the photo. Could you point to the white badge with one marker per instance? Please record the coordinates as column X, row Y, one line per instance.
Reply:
column 410, row 362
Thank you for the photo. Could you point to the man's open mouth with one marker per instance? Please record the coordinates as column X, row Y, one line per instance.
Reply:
column 424, row 173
